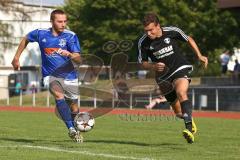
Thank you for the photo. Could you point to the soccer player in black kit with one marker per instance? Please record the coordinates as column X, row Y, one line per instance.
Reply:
column 158, row 50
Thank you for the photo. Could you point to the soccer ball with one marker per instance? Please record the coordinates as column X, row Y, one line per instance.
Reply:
column 84, row 121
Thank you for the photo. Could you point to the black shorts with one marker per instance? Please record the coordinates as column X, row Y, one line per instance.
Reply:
column 166, row 84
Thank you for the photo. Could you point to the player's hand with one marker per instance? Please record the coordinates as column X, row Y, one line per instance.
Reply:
column 16, row 64
column 204, row 60
column 64, row 52
column 159, row 67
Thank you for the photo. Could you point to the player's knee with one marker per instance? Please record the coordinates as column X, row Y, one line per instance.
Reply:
column 182, row 95
column 58, row 95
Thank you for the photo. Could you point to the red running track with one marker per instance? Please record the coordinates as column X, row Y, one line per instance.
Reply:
column 208, row 114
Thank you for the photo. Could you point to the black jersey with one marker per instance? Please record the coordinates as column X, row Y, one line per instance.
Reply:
column 164, row 49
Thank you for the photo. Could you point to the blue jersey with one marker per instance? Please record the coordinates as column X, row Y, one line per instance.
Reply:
column 53, row 63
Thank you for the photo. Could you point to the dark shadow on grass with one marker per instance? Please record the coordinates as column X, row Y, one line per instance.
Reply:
column 19, row 140
column 174, row 146
column 32, row 141
column 117, row 142
column 169, row 145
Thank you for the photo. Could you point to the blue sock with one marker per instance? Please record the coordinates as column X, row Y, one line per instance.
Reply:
column 64, row 112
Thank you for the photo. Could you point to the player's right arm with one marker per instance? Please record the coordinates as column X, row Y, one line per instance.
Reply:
column 143, row 58
column 159, row 67
column 23, row 44
column 30, row 37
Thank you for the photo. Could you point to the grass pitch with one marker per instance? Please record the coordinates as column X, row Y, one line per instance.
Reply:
column 37, row 136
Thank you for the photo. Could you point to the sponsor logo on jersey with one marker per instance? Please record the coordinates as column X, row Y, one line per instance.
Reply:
column 51, row 51
column 167, row 40
column 62, row 42
column 166, row 51
column 44, row 40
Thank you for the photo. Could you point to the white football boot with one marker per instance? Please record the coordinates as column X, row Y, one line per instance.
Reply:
column 75, row 135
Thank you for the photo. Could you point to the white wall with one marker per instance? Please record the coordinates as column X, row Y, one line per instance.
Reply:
column 37, row 17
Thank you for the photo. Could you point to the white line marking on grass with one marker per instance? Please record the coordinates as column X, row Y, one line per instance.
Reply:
column 55, row 149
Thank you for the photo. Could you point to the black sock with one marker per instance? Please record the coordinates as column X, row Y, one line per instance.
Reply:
column 187, row 114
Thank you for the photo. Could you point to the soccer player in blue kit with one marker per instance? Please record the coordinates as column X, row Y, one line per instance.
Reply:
column 60, row 49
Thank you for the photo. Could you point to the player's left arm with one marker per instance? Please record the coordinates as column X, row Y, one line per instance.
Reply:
column 180, row 35
column 196, row 50
column 73, row 49
column 75, row 56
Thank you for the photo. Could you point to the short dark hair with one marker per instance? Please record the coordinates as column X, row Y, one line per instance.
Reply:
column 150, row 18
column 54, row 12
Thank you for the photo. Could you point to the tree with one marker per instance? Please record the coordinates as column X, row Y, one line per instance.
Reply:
column 99, row 21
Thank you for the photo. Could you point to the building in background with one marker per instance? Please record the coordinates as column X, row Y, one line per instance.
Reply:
column 25, row 16
column 32, row 16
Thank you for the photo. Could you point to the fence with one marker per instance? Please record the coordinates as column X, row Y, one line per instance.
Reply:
column 224, row 98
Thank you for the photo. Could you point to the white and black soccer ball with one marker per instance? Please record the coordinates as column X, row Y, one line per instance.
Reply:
column 84, row 121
